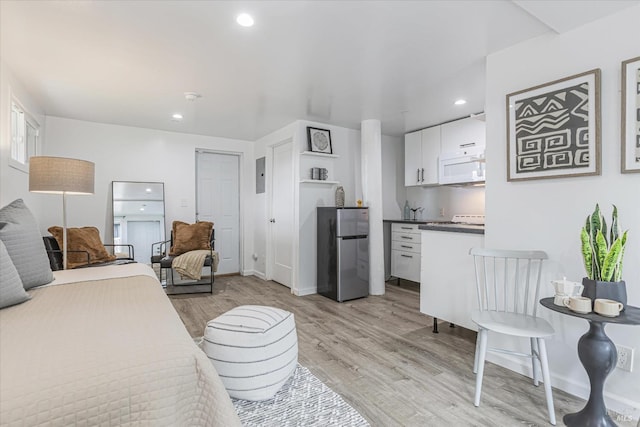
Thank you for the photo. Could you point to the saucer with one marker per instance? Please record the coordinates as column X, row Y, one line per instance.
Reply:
column 607, row 315
column 582, row 311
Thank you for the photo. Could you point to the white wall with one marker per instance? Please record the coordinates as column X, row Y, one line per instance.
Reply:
column 548, row 214
column 393, row 190
column 346, row 169
column 123, row 153
column 14, row 183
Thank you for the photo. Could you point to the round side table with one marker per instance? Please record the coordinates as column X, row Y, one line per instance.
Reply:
column 598, row 355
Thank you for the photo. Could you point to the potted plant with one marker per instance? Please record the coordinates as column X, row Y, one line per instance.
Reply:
column 602, row 252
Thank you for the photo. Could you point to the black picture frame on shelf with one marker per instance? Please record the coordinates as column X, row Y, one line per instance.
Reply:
column 319, row 140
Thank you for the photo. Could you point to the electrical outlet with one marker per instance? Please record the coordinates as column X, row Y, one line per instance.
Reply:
column 625, row 358
column 441, row 211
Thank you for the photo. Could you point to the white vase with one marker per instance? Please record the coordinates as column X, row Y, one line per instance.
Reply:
column 340, row 197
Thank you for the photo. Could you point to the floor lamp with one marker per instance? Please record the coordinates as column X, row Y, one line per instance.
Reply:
column 60, row 175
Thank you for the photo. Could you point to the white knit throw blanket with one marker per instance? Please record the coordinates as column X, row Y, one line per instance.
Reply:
column 189, row 264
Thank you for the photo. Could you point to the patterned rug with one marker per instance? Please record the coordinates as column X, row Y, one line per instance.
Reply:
column 304, row 400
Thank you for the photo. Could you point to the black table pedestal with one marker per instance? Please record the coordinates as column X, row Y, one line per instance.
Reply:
column 598, row 355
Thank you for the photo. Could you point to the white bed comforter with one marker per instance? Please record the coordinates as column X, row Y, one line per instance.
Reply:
column 105, row 352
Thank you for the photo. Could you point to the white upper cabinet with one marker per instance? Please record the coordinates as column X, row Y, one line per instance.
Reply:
column 421, row 151
column 412, row 158
column 461, row 134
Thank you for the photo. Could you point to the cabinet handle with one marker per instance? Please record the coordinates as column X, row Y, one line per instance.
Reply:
column 418, row 175
column 406, row 256
column 405, row 246
column 469, row 144
column 406, row 228
column 422, row 174
column 407, row 237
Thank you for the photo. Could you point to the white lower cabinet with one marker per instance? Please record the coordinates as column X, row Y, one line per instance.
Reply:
column 405, row 251
column 447, row 282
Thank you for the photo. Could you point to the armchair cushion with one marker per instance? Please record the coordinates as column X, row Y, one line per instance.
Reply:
column 82, row 239
column 190, row 237
column 20, row 234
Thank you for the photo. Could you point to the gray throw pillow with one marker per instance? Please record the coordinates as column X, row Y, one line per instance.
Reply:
column 20, row 234
column 11, row 290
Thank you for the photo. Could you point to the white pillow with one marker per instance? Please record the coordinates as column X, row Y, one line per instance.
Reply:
column 11, row 290
column 20, row 234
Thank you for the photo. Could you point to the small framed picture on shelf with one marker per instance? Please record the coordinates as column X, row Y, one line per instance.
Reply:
column 319, row 140
column 631, row 115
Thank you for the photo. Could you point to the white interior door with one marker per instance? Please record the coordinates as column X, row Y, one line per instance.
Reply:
column 142, row 234
column 218, row 201
column 281, row 220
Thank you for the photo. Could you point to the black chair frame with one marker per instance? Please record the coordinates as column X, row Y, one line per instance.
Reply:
column 55, row 254
column 166, row 262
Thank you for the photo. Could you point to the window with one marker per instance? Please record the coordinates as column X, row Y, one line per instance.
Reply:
column 24, row 136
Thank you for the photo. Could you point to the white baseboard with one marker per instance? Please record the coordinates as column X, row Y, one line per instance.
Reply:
column 615, row 402
column 258, row 274
column 304, row 291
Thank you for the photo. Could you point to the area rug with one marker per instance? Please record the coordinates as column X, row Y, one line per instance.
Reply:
column 303, row 400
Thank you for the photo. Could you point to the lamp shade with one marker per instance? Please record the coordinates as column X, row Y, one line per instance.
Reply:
column 61, row 175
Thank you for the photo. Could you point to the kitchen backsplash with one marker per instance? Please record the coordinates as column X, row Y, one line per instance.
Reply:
column 454, row 200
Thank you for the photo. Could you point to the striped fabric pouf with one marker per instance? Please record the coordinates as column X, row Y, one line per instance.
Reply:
column 254, row 349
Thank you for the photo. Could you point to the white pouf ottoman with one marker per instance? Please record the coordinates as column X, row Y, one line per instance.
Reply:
column 254, row 349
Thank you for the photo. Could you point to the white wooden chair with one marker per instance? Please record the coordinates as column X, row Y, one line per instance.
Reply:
column 507, row 283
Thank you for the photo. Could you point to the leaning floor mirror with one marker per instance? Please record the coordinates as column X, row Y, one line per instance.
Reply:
column 138, row 216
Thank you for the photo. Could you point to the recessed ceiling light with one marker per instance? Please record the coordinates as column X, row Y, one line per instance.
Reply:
column 148, row 190
column 245, row 20
column 141, row 209
column 176, row 117
column 460, row 102
column 192, row 96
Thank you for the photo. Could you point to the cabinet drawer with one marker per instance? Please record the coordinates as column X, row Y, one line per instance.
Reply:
column 405, row 237
column 406, row 247
column 405, row 265
column 405, row 228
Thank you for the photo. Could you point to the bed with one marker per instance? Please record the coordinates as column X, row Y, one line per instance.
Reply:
column 104, row 346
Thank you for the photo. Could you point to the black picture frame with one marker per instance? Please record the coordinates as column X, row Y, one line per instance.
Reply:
column 553, row 130
column 319, row 140
column 630, row 127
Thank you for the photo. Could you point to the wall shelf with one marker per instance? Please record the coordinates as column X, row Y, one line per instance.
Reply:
column 314, row 154
column 318, row 181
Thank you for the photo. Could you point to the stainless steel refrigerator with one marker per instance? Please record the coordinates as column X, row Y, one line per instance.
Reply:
column 343, row 253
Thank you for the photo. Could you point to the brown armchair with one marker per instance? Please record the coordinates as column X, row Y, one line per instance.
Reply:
column 161, row 255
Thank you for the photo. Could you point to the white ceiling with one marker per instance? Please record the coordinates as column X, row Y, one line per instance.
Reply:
column 336, row 62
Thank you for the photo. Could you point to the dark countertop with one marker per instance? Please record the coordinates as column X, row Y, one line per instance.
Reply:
column 406, row 221
column 453, row 229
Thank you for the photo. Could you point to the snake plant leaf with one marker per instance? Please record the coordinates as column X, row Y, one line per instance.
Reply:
column 587, row 252
column 601, row 252
column 603, row 229
column 596, row 223
column 611, row 260
column 615, row 226
column 617, row 275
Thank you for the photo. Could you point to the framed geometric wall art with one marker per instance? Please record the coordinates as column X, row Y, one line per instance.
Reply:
column 553, row 130
column 630, row 130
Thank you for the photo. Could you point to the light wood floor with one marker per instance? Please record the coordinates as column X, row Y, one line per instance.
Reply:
column 379, row 353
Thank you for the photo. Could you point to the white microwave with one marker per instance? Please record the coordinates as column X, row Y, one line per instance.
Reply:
column 464, row 166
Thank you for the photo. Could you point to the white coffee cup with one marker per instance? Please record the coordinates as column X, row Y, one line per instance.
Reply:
column 578, row 304
column 607, row 307
column 560, row 299
column 565, row 287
